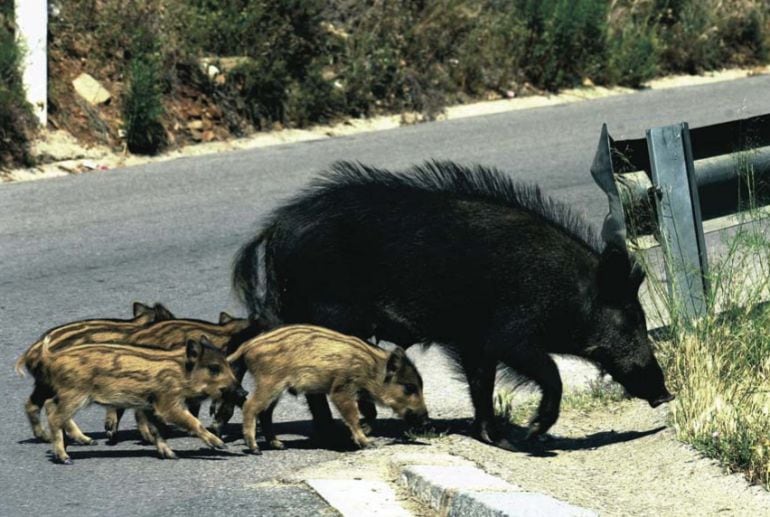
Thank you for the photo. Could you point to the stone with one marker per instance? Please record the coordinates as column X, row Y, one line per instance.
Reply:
column 91, row 90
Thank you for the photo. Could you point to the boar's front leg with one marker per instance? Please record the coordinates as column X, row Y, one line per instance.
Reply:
column 152, row 424
column 541, row 369
column 347, row 405
column 176, row 413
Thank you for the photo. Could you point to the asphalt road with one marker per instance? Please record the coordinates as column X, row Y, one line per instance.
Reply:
column 87, row 246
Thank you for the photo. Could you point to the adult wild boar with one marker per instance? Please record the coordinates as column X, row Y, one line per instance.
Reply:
column 491, row 269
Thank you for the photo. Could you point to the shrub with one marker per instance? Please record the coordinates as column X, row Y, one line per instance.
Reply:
column 633, row 55
column 143, row 107
column 566, row 41
column 16, row 118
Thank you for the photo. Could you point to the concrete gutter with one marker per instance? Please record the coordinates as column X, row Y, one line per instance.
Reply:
column 453, row 486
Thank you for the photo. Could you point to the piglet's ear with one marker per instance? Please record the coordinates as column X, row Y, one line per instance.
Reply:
column 612, row 276
column 395, row 361
column 162, row 313
column 141, row 309
column 204, row 340
column 194, row 350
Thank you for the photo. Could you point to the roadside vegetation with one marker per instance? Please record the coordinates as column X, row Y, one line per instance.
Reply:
column 223, row 69
column 719, row 366
column 16, row 119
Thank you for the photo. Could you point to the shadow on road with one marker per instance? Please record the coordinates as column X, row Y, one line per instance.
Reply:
column 198, row 454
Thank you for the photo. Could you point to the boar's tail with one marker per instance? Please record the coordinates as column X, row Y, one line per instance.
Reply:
column 20, row 365
column 45, row 353
column 246, row 278
column 232, row 358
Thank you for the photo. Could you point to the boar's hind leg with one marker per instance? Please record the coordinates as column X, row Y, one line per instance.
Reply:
column 33, row 406
column 480, row 373
column 60, row 411
column 111, row 423
column 541, row 369
column 266, row 422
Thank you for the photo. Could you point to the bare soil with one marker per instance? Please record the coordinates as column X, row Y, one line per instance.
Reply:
column 620, row 460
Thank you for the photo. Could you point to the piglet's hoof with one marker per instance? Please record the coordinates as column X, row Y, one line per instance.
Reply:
column 256, row 452
column 277, row 444
column 65, row 461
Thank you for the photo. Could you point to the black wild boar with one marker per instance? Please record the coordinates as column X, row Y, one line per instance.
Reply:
column 308, row 359
column 71, row 334
column 155, row 381
column 461, row 256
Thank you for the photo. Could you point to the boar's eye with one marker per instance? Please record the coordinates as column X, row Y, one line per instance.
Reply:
column 410, row 389
column 215, row 369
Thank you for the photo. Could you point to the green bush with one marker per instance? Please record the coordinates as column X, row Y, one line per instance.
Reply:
column 633, row 55
column 16, row 118
column 566, row 41
column 311, row 61
column 143, row 107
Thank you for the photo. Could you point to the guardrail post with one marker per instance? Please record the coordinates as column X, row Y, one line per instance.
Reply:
column 679, row 217
column 32, row 35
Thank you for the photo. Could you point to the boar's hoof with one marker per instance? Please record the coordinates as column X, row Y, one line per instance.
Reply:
column 167, row 454
column 42, row 435
column 112, row 438
column 64, row 461
column 256, row 452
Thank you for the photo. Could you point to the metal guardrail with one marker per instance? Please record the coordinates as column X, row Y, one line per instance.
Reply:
column 668, row 183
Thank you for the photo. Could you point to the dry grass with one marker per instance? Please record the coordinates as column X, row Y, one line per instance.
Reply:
column 719, row 366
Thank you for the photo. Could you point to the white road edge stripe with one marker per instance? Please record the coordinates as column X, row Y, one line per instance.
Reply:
column 358, row 497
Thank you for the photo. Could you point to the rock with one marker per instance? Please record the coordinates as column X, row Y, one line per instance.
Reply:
column 195, row 125
column 587, row 82
column 91, row 90
column 209, row 136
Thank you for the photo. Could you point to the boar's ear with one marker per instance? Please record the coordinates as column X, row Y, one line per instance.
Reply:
column 205, row 342
column 613, row 273
column 225, row 318
column 141, row 309
column 161, row 313
column 194, row 352
column 395, row 363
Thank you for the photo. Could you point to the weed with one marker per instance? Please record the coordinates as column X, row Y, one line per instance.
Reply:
column 143, row 108
column 16, row 119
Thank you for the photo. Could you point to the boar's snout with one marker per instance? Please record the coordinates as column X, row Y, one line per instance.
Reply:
column 235, row 395
column 416, row 418
column 668, row 397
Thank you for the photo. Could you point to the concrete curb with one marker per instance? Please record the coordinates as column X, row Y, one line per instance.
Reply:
column 457, row 488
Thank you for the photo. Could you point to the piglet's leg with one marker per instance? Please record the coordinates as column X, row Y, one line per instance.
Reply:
column 347, row 405
column 265, row 393
column 74, row 432
column 151, row 425
column 178, row 414
column 32, row 407
column 143, row 426
column 111, row 423
column 60, row 411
